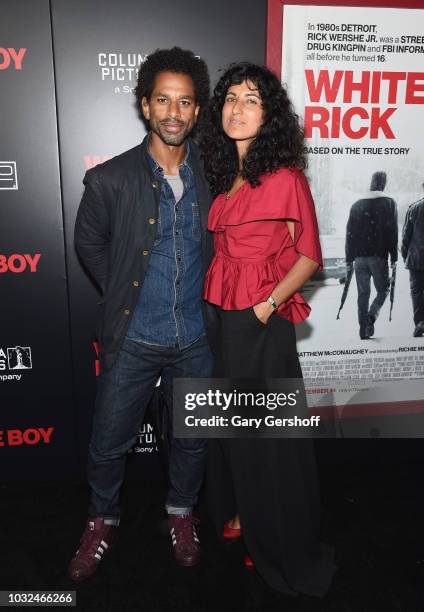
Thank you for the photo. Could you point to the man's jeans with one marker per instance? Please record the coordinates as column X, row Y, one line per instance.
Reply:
column 123, row 395
column 416, row 280
column 378, row 269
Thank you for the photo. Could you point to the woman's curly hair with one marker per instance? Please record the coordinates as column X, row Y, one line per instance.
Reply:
column 279, row 142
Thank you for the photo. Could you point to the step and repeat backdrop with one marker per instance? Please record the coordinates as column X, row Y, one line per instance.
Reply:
column 67, row 73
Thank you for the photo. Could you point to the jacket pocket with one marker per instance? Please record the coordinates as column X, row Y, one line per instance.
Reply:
column 159, row 230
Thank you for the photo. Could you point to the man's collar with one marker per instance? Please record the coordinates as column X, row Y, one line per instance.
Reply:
column 187, row 161
column 371, row 195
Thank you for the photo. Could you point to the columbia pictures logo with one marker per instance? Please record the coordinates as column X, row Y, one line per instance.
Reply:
column 19, row 358
column 8, row 175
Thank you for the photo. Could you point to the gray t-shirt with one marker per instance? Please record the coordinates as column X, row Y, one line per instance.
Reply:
column 176, row 185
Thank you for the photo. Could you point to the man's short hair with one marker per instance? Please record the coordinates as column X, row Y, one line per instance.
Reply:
column 378, row 181
column 176, row 60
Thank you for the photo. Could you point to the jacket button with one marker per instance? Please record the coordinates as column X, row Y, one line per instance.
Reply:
column 136, row 283
column 155, row 184
column 127, row 311
column 145, row 252
column 152, row 221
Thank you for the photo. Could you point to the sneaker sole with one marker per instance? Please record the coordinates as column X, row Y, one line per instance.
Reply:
column 188, row 563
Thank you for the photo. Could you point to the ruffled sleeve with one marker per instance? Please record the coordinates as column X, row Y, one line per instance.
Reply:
column 302, row 211
column 289, row 197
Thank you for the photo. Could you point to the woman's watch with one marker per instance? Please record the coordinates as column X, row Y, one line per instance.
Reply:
column 272, row 302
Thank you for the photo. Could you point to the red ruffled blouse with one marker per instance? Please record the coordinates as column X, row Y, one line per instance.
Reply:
column 253, row 246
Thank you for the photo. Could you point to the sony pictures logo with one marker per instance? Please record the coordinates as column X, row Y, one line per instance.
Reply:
column 8, row 175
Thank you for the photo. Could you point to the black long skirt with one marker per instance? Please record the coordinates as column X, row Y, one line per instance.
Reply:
column 272, row 483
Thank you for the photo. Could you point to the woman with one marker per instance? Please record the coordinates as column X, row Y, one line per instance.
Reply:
column 266, row 246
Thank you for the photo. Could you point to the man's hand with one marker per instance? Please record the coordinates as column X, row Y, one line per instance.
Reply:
column 263, row 311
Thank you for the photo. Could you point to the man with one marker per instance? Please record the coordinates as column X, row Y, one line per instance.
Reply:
column 371, row 236
column 412, row 250
column 141, row 233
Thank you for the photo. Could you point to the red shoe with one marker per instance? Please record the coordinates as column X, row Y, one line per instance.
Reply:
column 231, row 533
column 248, row 562
column 186, row 545
column 97, row 540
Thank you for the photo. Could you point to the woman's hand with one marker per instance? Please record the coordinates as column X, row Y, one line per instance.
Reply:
column 263, row 311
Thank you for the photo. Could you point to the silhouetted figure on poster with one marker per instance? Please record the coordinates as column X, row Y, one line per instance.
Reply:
column 412, row 250
column 371, row 236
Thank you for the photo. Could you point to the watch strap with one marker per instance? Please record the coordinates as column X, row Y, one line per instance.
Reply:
column 272, row 302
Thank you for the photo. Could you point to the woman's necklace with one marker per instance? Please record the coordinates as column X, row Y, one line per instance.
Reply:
column 238, row 182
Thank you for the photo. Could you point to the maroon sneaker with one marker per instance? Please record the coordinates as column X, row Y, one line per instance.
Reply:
column 184, row 539
column 97, row 540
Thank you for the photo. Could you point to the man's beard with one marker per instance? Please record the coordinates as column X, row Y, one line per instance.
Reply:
column 169, row 138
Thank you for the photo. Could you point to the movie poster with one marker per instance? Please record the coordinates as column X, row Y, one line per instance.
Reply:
column 355, row 76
